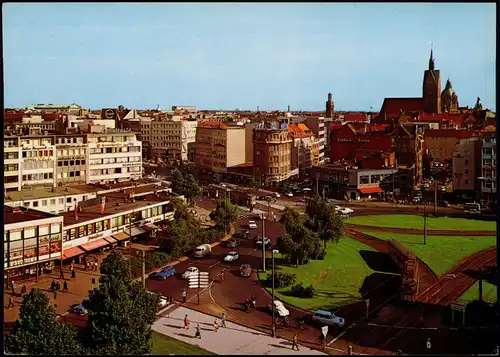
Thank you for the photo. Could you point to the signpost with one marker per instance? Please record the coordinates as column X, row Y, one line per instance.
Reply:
column 367, row 302
column 199, row 280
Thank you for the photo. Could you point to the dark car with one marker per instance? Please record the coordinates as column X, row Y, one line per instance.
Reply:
column 233, row 243
column 246, row 234
column 246, row 270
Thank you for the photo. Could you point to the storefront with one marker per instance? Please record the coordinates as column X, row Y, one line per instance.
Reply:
column 32, row 242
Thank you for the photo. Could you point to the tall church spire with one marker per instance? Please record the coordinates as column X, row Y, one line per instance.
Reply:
column 431, row 61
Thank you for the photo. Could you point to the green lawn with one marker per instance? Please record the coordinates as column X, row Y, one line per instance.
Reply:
column 417, row 222
column 489, row 293
column 165, row 345
column 337, row 279
column 440, row 253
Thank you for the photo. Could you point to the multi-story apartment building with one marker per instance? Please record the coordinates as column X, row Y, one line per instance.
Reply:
column 317, row 126
column 488, row 176
column 71, row 159
column 272, row 153
column 440, row 144
column 32, row 241
column 113, row 156
column 219, row 146
column 466, row 167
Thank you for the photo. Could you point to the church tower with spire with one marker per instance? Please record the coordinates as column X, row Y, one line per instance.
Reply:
column 431, row 89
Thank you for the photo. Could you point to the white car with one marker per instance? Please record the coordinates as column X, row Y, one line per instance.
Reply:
column 328, row 318
column 252, row 225
column 190, row 271
column 163, row 302
column 279, row 308
column 289, row 194
column 231, row 257
column 277, row 195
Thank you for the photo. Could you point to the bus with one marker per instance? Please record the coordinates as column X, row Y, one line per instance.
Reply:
column 472, row 208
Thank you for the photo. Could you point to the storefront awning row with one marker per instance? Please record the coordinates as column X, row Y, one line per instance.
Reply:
column 121, row 236
column 98, row 243
column 71, row 252
column 370, row 190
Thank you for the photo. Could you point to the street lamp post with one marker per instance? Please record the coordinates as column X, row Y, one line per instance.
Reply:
column 263, row 244
column 274, row 251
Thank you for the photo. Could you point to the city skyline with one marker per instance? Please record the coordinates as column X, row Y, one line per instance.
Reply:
column 227, row 56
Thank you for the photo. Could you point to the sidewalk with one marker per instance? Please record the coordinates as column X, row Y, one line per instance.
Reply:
column 78, row 289
column 233, row 339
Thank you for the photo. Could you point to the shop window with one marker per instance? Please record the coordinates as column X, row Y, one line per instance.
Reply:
column 15, row 235
column 43, row 230
column 160, row 209
column 155, row 211
column 35, row 203
column 81, row 231
column 55, row 228
column 29, row 233
column 72, row 234
column 98, row 227
column 364, row 180
column 105, row 224
column 90, row 228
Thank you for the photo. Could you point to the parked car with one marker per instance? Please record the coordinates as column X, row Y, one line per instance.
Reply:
column 165, row 273
column 279, row 308
column 289, row 194
column 245, row 270
column 252, row 225
column 233, row 243
column 246, row 234
column 190, row 271
column 328, row 318
column 231, row 257
column 162, row 302
column 267, row 241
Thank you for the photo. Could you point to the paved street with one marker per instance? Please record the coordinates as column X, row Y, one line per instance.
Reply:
column 232, row 340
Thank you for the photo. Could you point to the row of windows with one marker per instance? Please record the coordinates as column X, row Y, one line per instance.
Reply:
column 70, row 174
column 38, row 177
column 111, row 139
column 70, row 162
column 37, row 153
column 10, row 143
column 32, row 232
column 71, row 152
column 40, row 142
column 114, row 150
column 10, row 155
column 52, row 202
column 77, row 140
column 11, row 167
column 30, row 165
column 114, row 171
column 113, row 160
column 106, row 224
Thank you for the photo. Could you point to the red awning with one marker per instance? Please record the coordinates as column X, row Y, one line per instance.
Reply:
column 71, row 252
column 98, row 243
column 370, row 190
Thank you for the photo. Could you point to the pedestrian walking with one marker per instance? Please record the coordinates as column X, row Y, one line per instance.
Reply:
column 13, row 287
column 53, row 285
column 184, row 296
column 23, row 290
column 216, row 325
column 223, row 320
column 428, row 344
column 72, row 266
column 198, row 331
column 55, row 294
column 65, row 286
column 11, row 302
column 186, row 322
column 61, row 276
column 73, row 274
column 295, row 338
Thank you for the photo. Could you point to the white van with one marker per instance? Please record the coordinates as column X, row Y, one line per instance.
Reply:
column 328, row 318
column 472, row 208
column 202, row 250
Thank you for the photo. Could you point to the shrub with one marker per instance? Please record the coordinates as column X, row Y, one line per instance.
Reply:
column 281, row 280
column 299, row 290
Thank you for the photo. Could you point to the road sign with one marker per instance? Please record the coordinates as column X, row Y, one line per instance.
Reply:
column 367, row 302
column 324, row 330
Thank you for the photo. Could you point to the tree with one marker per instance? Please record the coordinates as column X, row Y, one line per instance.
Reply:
column 38, row 332
column 217, row 178
column 178, row 182
column 324, row 220
column 224, row 214
column 192, row 189
column 121, row 311
column 181, row 237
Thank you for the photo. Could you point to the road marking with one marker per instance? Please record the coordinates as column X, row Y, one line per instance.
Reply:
column 252, row 251
column 201, row 292
column 211, row 266
column 341, row 334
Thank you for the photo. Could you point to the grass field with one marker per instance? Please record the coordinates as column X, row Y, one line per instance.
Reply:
column 440, row 253
column 337, row 279
column 417, row 222
column 489, row 293
column 165, row 345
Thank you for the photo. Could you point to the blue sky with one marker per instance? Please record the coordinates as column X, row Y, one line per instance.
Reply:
column 230, row 55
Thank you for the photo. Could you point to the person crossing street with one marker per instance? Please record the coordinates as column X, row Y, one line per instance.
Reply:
column 295, row 338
